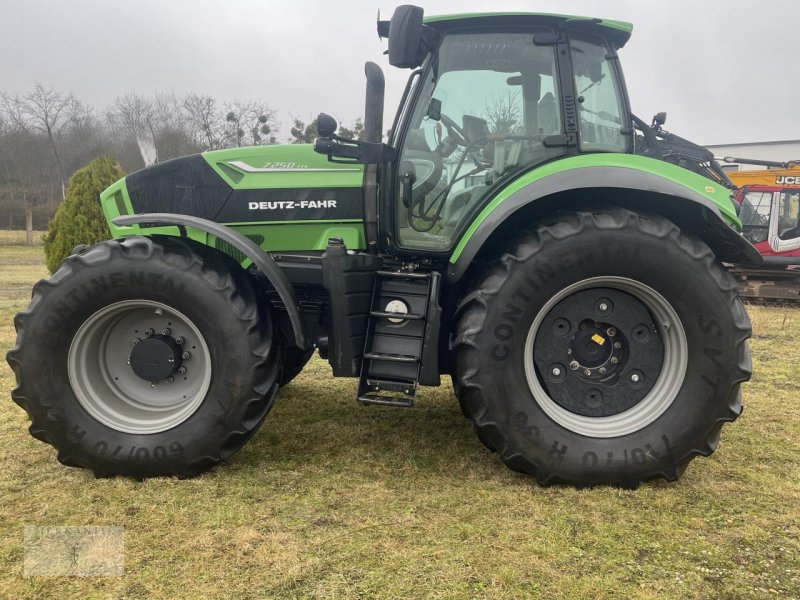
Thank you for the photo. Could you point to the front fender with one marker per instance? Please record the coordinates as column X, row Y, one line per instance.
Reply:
column 246, row 246
column 644, row 184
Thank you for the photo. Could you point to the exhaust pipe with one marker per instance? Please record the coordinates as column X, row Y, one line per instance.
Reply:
column 373, row 132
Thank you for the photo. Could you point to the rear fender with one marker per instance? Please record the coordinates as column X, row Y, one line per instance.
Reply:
column 693, row 202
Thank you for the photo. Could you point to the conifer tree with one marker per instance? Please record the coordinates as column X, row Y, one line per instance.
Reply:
column 79, row 219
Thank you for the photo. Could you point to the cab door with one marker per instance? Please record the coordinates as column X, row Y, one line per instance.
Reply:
column 784, row 230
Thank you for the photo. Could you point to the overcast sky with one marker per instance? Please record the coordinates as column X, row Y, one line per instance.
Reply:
column 725, row 70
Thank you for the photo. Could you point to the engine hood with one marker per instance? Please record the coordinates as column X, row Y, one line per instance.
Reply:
column 250, row 185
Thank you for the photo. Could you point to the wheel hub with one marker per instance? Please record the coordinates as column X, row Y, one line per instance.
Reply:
column 156, row 358
column 598, row 352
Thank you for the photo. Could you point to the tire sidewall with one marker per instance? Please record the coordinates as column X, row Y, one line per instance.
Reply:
column 661, row 264
column 179, row 281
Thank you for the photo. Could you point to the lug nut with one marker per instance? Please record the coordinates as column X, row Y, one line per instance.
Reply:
column 602, row 370
column 588, row 372
column 179, row 341
column 148, row 332
column 617, row 345
column 170, row 379
column 574, row 365
column 185, row 355
column 614, row 360
column 635, row 378
column 182, row 371
column 165, row 331
column 611, row 332
column 135, row 341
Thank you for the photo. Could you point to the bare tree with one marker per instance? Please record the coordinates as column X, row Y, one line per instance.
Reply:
column 502, row 113
column 205, row 121
column 133, row 115
column 250, row 123
column 46, row 110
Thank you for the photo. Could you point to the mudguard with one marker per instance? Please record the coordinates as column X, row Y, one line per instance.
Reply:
column 250, row 249
column 643, row 184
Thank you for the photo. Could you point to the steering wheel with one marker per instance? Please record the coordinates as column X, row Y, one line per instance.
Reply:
column 452, row 126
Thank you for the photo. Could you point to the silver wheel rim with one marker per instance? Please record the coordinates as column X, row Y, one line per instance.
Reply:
column 104, row 383
column 666, row 387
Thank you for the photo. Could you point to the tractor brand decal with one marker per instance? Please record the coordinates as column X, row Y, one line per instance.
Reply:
column 292, row 204
column 284, row 167
column 788, row 180
column 289, row 204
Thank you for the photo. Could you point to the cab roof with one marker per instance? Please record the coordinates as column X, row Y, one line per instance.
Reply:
column 619, row 31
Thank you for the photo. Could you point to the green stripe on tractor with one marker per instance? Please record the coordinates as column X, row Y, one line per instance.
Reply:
column 718, row 194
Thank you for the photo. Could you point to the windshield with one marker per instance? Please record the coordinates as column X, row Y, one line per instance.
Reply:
column 487, row 103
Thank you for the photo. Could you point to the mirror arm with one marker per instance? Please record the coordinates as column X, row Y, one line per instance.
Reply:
column 354, row 151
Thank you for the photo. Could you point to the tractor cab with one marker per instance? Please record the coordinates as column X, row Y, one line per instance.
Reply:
column 490, row 96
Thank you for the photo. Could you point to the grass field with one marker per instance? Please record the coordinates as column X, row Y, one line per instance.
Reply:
column 15, row 237
column 335, row 500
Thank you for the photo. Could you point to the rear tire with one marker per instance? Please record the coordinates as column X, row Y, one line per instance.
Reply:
column 527, row 401
column 81, row 393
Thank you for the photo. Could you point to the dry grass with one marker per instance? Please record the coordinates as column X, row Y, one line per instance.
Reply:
column 17, row 237
column 334, row 500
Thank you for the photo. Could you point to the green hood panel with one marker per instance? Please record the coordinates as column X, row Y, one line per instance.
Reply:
column 719, row 196
column 286, row 166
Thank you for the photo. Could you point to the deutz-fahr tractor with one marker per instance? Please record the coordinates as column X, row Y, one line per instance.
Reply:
column 519, row 230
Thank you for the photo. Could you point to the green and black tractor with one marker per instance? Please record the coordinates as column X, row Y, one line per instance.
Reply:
column 519, row 230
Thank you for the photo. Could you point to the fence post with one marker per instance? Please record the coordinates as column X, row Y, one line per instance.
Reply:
column 29, row 227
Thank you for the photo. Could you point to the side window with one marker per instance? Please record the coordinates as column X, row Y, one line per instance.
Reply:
column 788, row 223
column 600, row 106
column 755, row 211
column 483, row 111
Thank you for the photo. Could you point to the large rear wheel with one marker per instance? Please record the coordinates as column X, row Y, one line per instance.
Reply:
column 604, row 348
column 145, row 358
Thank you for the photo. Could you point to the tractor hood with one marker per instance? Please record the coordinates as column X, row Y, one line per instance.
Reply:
column 244, row 185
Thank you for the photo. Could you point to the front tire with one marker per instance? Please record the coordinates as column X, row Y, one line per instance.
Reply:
column 565, row 388
column 145, row 357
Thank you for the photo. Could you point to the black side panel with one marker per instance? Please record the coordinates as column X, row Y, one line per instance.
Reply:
column 189, row 186
column 349, row 279
column 186, row 186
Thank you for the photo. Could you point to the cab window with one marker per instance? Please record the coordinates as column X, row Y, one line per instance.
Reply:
column 600, row 104
column 486, row 105
column 788, row 213
column 754, row 215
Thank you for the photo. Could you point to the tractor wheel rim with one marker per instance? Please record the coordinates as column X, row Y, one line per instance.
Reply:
column 105, row 384
column 664, row 390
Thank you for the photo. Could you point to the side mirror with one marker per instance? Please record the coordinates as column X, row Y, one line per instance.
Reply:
column 326, row 125
column 405, row 37
column 659, row 119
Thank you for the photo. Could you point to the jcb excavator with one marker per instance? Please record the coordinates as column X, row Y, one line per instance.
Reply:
column 769, row 201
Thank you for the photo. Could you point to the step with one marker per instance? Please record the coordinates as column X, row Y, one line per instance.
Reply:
column 394, row 315
column 386, row 401
column 406, row 387
column 402, row 358
column 403, row 274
